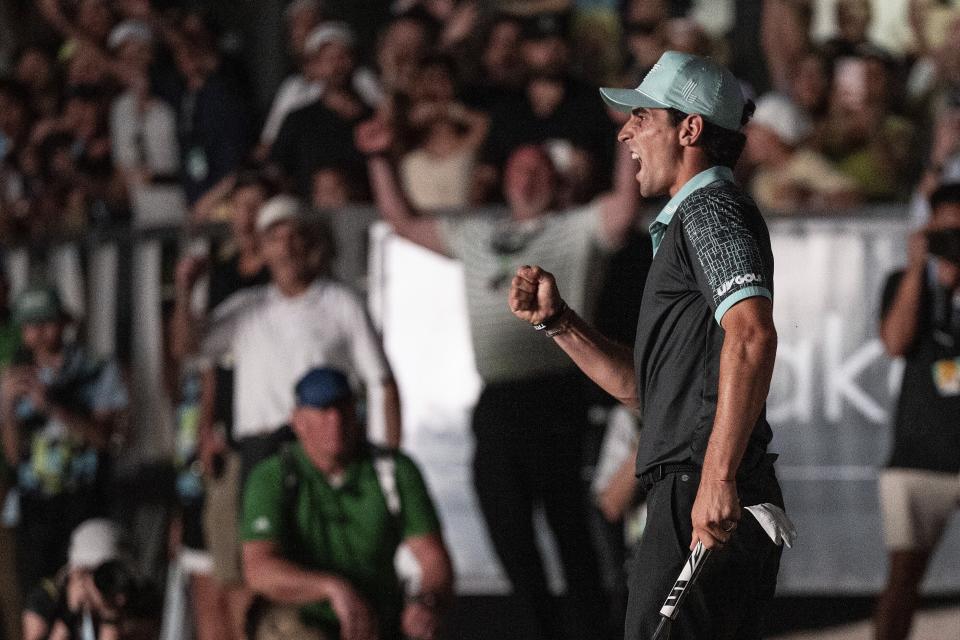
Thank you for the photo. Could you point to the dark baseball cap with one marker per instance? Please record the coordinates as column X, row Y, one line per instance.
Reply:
column 322, row 387
column 37, row 304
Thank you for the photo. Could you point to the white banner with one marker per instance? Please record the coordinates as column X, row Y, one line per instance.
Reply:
column 830, row 404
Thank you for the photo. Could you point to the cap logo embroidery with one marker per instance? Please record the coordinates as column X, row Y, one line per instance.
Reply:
column 688, row 89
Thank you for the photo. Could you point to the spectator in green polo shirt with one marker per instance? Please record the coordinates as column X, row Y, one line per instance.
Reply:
column 322, row 521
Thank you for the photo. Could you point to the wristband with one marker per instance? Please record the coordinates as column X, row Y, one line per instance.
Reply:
column 549, row 323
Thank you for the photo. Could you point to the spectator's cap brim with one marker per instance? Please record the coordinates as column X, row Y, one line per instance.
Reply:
column 129, row 30
column 780, row 115
column 281, row 208
column 626, row 100
column 92, row 543
column 322, row 387
column 326, row 33
column 36, row 305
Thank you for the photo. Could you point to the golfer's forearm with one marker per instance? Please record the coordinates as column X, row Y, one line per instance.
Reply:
column 746, row 366
column 607, row 363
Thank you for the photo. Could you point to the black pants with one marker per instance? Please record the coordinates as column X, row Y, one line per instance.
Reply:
column 731, row 595
column 529, row 451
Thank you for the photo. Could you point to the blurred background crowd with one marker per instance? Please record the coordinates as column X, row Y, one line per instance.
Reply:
column 120, row 116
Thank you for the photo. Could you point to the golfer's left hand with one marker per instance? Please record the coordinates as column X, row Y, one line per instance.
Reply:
column 716, row 513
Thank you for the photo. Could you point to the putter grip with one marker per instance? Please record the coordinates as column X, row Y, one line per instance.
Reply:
column 691, row 569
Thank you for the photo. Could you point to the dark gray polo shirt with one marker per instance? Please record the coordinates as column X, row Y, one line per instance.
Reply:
column 711, row 250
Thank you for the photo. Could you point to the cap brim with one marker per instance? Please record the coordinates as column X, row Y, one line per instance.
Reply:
column 626, row 100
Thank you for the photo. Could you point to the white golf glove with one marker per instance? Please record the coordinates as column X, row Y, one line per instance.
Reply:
column 775, row 522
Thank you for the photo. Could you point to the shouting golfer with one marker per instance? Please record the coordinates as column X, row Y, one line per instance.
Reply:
column 701, row 366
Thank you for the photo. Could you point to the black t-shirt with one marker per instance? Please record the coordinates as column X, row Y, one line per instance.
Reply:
column 315, row 137
column 926, row 431
column 580, row 119
column 715, row 251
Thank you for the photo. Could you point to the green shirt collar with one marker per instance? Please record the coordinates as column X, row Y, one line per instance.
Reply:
column 351, row 473
column 702, row 179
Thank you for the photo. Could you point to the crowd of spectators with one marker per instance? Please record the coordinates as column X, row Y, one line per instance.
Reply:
column 117, row 111
column 111, row 100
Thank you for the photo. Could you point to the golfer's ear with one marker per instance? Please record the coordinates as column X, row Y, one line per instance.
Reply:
column 691, row 128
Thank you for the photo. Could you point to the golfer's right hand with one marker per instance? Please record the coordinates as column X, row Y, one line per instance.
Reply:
column 534, row 296
column 356, row 619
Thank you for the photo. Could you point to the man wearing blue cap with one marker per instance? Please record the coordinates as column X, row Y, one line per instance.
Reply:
column 701, row 365
column 322, row 521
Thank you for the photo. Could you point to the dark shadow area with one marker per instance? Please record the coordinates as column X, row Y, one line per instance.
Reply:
column 496, row 617
column 804, row 613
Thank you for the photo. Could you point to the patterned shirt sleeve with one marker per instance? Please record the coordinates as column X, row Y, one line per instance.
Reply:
column 725, row 250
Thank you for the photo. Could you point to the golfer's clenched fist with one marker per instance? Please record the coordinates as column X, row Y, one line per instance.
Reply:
column 534, row 296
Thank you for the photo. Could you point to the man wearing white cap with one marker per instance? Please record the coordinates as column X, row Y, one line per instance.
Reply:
column 86, row 599
column 788, row 175
column 327, row 59
column 701, row 365
column 143, row 128
column 277, row 332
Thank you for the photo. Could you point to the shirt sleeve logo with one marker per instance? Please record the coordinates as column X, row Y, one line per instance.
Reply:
column 262, row 525
column 750, row 278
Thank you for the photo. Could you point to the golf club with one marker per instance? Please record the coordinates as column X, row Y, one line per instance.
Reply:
column 773, row 521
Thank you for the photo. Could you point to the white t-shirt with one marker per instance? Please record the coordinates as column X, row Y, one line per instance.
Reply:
column 569, row 244
column 147, row 137
column 275, row 340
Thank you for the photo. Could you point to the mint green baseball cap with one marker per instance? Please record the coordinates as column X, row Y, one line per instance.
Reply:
column 37, row 304
column 686, row 82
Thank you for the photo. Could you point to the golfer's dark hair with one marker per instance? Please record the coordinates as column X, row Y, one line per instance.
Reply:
column 722, row 146
column 947, row 193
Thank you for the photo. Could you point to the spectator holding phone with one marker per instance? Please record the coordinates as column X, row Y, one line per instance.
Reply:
column 920, row 489
column 61, row 409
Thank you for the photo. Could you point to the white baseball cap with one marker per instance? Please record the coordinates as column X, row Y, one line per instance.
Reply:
column 325, row 34
column 785, row 119
column 278, row 209
column 129, row 30
column 93, row 543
